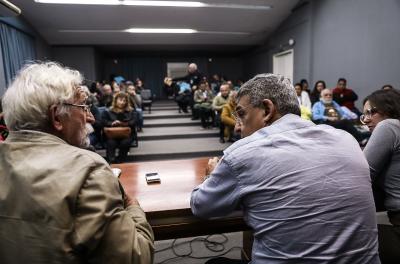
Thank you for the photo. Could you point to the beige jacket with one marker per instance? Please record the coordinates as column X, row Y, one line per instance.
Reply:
column 62, row 204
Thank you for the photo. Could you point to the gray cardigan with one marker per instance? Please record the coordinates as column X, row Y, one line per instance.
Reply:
column 383, row 156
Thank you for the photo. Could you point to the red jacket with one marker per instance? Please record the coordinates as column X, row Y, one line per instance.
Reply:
column 345, row 97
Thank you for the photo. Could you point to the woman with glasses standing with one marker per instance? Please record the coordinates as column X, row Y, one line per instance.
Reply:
column 381, row 114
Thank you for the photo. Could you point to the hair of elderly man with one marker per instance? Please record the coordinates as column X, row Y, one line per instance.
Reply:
column 274, row 87
column 36, row 87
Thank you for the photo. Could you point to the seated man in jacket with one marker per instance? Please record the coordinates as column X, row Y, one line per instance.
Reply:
column 203, row 99
column 304, row 189
column 218, row 103
column 327, row 111
column 60, row 203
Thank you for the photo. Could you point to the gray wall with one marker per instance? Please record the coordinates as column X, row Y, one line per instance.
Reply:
column 82, row 59
column 355, row 39
column 298, row 27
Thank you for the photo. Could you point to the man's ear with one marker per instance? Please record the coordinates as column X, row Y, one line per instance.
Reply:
column 55, row 121
column 270, row 111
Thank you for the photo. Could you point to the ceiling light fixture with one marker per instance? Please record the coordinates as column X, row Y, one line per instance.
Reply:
column 162, row 30
column 154, row 31
column 80, row 2
column 125, row 2
column 154, row 3
column 164, row 3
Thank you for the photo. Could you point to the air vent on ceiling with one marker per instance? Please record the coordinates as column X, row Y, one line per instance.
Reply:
column 8, row 9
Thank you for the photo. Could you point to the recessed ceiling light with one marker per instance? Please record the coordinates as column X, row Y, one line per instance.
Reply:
column 164, row 3
column 154, row 31
column 125, row 2
column 161, row 30
column 80, row 2
column 154, row 3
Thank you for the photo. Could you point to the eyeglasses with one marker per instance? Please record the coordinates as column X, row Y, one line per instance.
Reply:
column 368, row 114
column 238, row 120
column 85, row 107
column 239, row 114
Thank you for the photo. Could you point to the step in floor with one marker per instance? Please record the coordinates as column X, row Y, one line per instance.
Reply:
column 154, row 133
column 174, row 149
column 165, row 114
column 157, row 108
column 165, row 122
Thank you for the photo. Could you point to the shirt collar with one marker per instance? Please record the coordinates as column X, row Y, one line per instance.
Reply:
column 33, row 136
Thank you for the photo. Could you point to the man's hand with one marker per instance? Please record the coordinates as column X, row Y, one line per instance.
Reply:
column 212, row 163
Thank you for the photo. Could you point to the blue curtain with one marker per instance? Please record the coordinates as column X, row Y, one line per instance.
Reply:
column 17, row 48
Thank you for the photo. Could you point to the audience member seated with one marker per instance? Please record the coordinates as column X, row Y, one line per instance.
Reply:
column 203, row 99
column 3, row 128
column 106, row 97
column 120, row 115
column 381, row 114
column 115, row 87
column 305, row 113
column 171, row 88
column 218, row 102
column 302, row 96
column 215, row 84
column 303, row 189
column 316, row 92
column 304, row 86
column 135, row 101
column 94, row 94
column 228, row 118
column 139, row 85
column 193, row 78
column 327, row 111
column 60, row 203
column 184, row 96
column 93, row 120
column 345, row 96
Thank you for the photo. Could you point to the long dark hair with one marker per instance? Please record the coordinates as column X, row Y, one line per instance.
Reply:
column 387, row 102
column 315, row 91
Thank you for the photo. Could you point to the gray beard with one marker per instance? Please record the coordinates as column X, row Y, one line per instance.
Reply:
column 329, row 101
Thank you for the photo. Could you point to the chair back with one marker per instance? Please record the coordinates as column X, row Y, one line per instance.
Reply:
column 146, row 94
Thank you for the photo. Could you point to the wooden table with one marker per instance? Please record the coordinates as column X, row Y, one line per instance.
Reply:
column 167, row 204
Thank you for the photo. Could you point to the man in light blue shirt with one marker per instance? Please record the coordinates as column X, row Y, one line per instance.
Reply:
column 304, row 189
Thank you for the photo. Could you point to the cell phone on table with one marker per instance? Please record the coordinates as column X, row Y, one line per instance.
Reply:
column 152, row 177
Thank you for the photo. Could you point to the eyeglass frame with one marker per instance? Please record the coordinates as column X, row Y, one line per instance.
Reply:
column 237, row 118
column 85, row 107
column 369, row 114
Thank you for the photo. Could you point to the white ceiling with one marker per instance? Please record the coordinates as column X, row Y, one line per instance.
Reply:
column 49, row 19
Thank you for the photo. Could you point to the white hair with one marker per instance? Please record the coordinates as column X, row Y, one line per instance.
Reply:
column 36, row 87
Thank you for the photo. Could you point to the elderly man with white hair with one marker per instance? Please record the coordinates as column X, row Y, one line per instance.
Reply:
column 193, row 77
column 304, row 189
column 60, row 203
